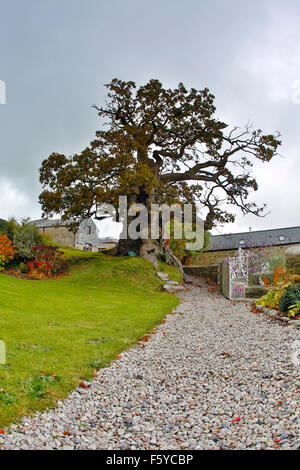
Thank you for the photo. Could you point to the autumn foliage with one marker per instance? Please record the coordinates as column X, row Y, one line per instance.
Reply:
column 48, row 262
column 281, row 277
column 158, row 145
column 7, row 251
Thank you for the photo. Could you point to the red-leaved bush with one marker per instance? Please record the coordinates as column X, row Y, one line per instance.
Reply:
column 48, row 261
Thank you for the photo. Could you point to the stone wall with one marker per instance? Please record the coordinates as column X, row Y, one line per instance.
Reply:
column 214, row 257
column 203, row 271
column 60, row 235
column 293, row 258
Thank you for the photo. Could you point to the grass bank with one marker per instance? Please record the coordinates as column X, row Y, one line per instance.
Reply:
column 58, row 331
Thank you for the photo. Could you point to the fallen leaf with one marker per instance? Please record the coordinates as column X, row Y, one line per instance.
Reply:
column 145, row 338
column 83, row 385
column 236, row 420
column 225, row 354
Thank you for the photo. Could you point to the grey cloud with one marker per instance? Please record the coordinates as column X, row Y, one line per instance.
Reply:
column 55, row 57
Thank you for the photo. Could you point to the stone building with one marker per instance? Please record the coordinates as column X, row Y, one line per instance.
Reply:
column 224, row 246
column 85, row 238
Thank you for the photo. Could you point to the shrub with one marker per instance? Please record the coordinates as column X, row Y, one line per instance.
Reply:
column 7, row 251
column 289, row 298
column 2, row 225
column 271, row 299
column 178, row 245
column 24, row 268
column 9, row 227
column 26, row 236
column 46, row 239
column 48, row 261
column 294, row 310
column 280, row 284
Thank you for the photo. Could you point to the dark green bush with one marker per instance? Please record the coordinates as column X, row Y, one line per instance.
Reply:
column 289, row 298
column 24, row 268
column 26, row 236
column 9, row 228
column 2, row 225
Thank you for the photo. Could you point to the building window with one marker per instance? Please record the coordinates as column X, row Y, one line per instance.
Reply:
column 242, row 242
column 87, row 247
column 89, row 230
column 281, row 238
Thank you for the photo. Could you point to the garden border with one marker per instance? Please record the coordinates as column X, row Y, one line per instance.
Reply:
column 271, row 313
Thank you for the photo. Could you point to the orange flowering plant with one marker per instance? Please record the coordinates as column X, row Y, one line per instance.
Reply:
column 7, row 251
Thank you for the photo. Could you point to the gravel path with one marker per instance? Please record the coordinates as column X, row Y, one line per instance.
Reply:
column 214, row 376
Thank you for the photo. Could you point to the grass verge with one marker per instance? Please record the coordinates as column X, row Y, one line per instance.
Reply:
column 58, row 331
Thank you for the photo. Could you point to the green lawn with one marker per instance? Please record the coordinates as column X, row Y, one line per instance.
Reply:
column 58, row 331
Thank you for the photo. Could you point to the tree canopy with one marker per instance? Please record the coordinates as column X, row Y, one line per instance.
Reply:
column 159, row 145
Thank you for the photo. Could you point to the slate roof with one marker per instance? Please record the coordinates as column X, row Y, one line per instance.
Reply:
column 280, row 236
column 41, row 223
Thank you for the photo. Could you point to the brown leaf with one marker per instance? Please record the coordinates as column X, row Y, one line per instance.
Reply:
column 225, row 354
column 145, row 338
column 83, row 385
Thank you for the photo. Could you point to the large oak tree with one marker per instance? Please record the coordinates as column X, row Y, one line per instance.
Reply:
column 158, row 145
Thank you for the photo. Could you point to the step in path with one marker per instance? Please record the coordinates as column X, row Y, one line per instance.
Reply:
column 170, row 286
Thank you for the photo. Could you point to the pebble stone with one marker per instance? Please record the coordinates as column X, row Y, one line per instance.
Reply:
column 213, row 376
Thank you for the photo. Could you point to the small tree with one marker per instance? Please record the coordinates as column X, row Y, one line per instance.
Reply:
column 10, row 227
column 2, row 225
column 24, row 235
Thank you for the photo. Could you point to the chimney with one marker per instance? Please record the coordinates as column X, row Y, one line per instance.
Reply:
column 250, row 229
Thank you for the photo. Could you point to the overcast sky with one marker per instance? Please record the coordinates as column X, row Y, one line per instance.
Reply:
column 56, row 55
